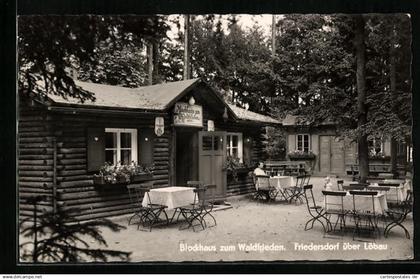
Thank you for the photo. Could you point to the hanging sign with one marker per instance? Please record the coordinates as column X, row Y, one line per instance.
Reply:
column 159, row 126
column 188, row 115
column 210, row 125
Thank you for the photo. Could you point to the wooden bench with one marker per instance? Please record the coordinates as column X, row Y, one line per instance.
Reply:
column 285, row 167
column 374, row 169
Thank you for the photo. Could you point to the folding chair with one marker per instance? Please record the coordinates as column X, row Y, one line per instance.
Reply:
column 148, row 215
column 296, row 192
column 399, row 214
column 209, row 204
column 334, row 205
column 365, row 220
column 314, row 210
column 263, row 189
column 194, row 211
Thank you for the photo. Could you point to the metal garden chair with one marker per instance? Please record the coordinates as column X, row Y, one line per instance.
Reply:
column 193, row 213
column 364, row 220
column 209, row 203
column 334, row 205
column 315, row 211
column 296, row 193
column 148, row 215
column 263, row 189
column 398, row 215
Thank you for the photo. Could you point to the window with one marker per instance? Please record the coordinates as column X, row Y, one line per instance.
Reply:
column 303, row 142
column 234, row 145
column 375, row 145
column 120, row 146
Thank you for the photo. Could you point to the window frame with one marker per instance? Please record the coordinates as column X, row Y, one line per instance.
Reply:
column 372, row 147
column 303, row 142
column 229, row 147
column 134, row 142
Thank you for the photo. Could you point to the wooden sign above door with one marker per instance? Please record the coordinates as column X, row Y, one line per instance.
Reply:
column 188, row 115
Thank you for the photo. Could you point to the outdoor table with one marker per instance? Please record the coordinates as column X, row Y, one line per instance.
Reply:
column 395, row 194
column 173, row 197
column 282, row 182
column 364, row 203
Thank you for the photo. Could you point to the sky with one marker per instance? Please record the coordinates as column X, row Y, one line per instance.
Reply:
column 245, row 20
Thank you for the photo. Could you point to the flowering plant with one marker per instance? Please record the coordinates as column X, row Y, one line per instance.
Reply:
column 379, row 156
column 232, row 165
column 122, row 173
column 301, row 154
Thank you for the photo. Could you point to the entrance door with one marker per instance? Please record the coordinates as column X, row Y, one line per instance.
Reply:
column 186, row 156
column 331, row 155
column 211, row 152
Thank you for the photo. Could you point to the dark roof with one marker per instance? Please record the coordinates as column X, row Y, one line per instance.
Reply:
column 154, row 97
column 297, row 120
column 244, row 114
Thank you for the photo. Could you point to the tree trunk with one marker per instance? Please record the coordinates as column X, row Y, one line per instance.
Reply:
column 273, row 55
column 150, row 63
column 393, row 92
column 155, row 59
column 187, row 66
column 359, row 43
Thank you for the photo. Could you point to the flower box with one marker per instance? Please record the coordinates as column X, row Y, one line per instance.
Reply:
column 101, row 180
column 301, row 157
column 123, row 174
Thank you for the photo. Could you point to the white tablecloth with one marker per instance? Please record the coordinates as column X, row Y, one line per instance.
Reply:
column 281, row 182
column 363, row 203
column 172, row 197
column 395, row 194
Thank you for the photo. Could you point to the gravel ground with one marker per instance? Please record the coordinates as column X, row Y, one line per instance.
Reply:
column 243, row 230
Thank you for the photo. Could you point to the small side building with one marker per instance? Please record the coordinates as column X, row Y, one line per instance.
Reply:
column 330, row 153
column 184, row 129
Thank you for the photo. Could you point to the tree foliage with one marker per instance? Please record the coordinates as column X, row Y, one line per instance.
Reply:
column 59, row 237
column 48, row 46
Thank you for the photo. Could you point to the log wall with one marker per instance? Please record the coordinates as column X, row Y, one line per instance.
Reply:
column 75, row 185
column 39, row 129
column 35, row 158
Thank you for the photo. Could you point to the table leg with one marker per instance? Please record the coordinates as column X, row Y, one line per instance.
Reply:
column 173, row 216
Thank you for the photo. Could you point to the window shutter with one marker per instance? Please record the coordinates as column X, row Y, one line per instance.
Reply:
column 95, row 148
column 247, row 150
column 146, row 145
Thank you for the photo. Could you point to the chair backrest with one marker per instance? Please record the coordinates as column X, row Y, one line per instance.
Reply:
column 200, row 196
column 302, row 180
column 334, row 200
column 355, row 187
column 407, row 204
column 137, row 192
column 340, row 184
column 361, row 203
column 309, row 196
column 262, row 181
column 195, row 183
column 378, row 188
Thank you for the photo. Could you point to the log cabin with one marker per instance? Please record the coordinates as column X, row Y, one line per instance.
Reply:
column 184, row 129
column 332, row 154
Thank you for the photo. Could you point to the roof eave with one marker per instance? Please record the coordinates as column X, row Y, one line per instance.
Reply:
column 182, row 94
